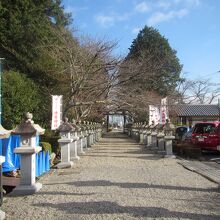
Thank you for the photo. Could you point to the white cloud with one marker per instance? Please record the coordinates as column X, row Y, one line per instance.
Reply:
column 188, row 2
column 110, row 20
column 123, row 17
column 142, row 7
column 193, row 2
column 164, row 4
column 159, row 17
column 75, row 10
column 136, row 30
column 105, row 20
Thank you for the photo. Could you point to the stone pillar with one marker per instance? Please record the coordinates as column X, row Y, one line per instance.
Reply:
column 85, row 135
column 65, row 140
column 73, row 145
column 89, row 133
column 81, row 142
column 85, row 140
column 141, row 135
column 99, row 132
column 2, row 160
column 149, row 134
column 149, row 140
column 169, row 137
column 92, row 134
column 144, row 137
column 95, row 133
column 80, row 129
column 145, row 134
column 154, row 139
column 161, row 143
column 28, row 132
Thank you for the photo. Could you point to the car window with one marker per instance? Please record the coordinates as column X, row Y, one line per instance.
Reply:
column 181, row 130
column 203, row 128
column 218, row 129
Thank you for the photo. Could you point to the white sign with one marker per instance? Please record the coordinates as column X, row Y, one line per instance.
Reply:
column 154, row 114
column 164, row 111
column 56, row 111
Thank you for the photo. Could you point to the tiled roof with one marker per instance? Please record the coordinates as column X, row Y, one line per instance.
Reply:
column 197, row 110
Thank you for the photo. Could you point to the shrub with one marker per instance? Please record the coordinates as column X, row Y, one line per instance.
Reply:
column 21, row 95
column 52, row 138
column 46, row 146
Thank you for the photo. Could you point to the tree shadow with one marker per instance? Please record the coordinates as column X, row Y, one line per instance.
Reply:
column 64, row 193
column 149, row 157
column 95, row 183
column 106, row 207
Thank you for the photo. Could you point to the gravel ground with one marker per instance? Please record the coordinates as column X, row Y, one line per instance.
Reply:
column 118, row 179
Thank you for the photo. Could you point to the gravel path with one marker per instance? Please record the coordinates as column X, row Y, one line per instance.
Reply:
column 118, row 179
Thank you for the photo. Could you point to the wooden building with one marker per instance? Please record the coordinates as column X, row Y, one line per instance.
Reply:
column 191, row 114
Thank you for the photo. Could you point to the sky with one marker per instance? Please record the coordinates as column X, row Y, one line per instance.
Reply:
column 192, row 28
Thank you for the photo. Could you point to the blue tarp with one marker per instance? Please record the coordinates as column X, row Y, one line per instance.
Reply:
column 12, row 161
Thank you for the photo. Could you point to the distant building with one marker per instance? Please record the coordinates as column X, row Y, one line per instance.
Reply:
column 191, row 114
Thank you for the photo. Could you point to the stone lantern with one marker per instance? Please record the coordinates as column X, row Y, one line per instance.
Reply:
column 81, row 137
column 145, row 133
column 86, row 134
column 149, row 131
column 154, row 136
column 141, row 132
column 73, row 144
column 160, row 138
column 169, row 129
column 96, row 132
column 99, row 131
column 28, row 132
column 91, row 137
column 65, row 129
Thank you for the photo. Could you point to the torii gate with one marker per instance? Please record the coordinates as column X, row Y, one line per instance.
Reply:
column 124, row 113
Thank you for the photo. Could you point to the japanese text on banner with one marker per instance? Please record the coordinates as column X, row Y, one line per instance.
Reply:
column 56, row 111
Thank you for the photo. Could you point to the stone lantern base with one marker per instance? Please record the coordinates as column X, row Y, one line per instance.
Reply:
column 2, row 215
column 63, row 165
column 26, row 189
column 27, row 184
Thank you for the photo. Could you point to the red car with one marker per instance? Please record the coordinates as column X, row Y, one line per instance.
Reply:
column 206, row 135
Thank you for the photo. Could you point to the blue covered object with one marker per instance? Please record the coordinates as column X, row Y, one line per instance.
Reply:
column 12, row 161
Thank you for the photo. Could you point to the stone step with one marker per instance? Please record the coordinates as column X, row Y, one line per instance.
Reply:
column 209, row 172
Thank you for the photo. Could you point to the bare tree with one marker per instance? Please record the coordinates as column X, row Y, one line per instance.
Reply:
column 197, row 92
column 86, row 71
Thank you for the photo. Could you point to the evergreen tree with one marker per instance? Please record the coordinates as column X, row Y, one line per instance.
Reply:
column 159, row 68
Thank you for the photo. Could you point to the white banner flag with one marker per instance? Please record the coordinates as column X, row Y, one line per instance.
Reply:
column 154, row 114
column 56, row 111
column 164, row 111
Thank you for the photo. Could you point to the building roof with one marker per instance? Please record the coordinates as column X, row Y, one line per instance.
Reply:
column 197, row 110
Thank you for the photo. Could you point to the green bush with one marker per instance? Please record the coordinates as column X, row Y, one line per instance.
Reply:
column 52, row 138
column 21, row 95
column 46, row 146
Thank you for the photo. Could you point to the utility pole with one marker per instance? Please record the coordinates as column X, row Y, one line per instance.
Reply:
column 1, row 64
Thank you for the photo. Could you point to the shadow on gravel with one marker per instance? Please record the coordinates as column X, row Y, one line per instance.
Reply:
column 95, row 183
column 105, row 207
column 149, row 157
column 65, row 193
